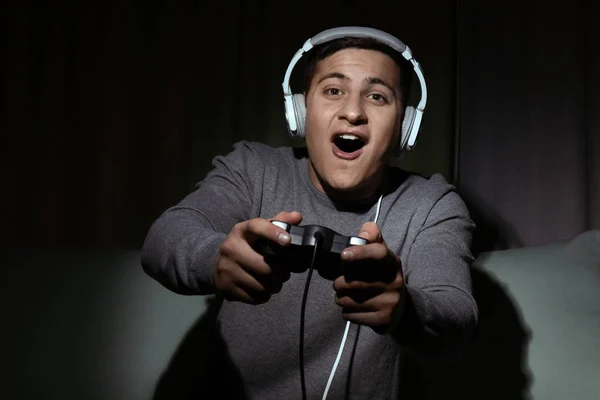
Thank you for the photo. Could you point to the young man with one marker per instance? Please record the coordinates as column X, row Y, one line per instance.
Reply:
column 410, row 290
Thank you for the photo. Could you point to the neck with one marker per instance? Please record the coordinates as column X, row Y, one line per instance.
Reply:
column 366, row 194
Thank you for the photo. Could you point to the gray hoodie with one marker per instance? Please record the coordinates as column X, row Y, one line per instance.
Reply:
column 424, row 221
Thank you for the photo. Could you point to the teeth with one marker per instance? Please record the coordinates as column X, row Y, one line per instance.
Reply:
column 349, row 136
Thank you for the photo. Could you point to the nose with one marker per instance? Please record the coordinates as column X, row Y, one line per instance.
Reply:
column 353, row 111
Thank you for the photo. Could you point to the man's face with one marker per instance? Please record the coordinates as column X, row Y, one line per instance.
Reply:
column 353, row 115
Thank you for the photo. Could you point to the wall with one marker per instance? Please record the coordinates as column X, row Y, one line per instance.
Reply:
column 113, row 110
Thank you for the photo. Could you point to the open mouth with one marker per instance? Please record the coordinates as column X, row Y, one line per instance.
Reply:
column 348, row 143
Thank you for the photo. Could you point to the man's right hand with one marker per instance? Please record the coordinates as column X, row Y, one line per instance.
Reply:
column 240, row 273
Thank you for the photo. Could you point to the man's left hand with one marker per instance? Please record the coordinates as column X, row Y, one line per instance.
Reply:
column 371, row 290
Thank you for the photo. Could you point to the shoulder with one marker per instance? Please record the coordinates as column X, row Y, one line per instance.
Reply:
column 253, row 157
column 257, row 165
column 428, row 210
column 258, row 153
column 422, row 188
column 425, row 195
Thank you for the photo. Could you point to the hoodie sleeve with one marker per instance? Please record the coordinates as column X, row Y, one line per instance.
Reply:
column 181, row 246
column 440, row 313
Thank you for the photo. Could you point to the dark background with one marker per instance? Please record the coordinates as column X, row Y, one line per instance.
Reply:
column 112, row 110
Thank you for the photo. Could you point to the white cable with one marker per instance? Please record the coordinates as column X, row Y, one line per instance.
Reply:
column 378, row 208
column 337, row 360
column 339, row 356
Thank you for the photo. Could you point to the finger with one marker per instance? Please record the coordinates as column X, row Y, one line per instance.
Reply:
column 383, row 305
column 280, row 272
column 260, row 228
column 373, row 319
column 370, row 272
column 368, row 300
column 381, row 320
column 269, row 280
column 381, row 312
column 245, row 256
column 248, row 282
column 343, row 284
column 371, row 262
column 263, row 229
column 292, row 218
column 371, row 232
column 259, row 289
column 363, row 299
column 372, row 251
column 273, row 283
column 256, row 271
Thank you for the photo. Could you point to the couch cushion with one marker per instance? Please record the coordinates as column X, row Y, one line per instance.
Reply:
column 556, row 292
column 539, row 329
column 87, row 324
column 91, row 324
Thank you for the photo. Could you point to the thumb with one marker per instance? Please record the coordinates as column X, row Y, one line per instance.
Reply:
column 371, row 232
column 292, row 218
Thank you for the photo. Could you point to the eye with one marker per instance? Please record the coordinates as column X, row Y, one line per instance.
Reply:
column 333, row 92
column 378, row 97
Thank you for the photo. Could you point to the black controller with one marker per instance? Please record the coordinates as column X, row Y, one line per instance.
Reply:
column 298, row 255
column 331, row 241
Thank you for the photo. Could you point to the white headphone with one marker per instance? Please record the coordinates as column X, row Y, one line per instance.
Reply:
column 295, row 105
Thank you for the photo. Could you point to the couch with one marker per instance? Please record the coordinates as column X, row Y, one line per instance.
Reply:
column 89, row 324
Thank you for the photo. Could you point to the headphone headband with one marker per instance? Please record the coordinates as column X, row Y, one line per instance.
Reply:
column 357, row 31
column 294, row 103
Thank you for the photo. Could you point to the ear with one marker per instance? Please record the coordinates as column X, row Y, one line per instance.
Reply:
column 398, row 134
column 400, row 125
column 300, row 114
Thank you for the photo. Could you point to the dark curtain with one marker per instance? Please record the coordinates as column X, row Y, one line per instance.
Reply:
column 112, row 110
column 529, row 90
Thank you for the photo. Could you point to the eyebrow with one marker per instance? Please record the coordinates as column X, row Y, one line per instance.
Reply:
column 331, row 75
column 370, row 80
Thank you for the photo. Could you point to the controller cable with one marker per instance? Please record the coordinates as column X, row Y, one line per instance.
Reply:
column 318, row 243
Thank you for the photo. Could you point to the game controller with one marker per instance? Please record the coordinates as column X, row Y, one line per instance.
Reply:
column 297, row 256
column 331, row 241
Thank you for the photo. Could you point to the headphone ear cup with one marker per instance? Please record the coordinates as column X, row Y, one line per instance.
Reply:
column 407, row 124
column 300, row 111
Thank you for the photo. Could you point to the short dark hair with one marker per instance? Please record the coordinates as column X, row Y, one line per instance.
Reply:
column 322, row 51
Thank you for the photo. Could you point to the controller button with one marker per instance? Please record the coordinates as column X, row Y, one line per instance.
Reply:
column 280, row 224
column 357, row 241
